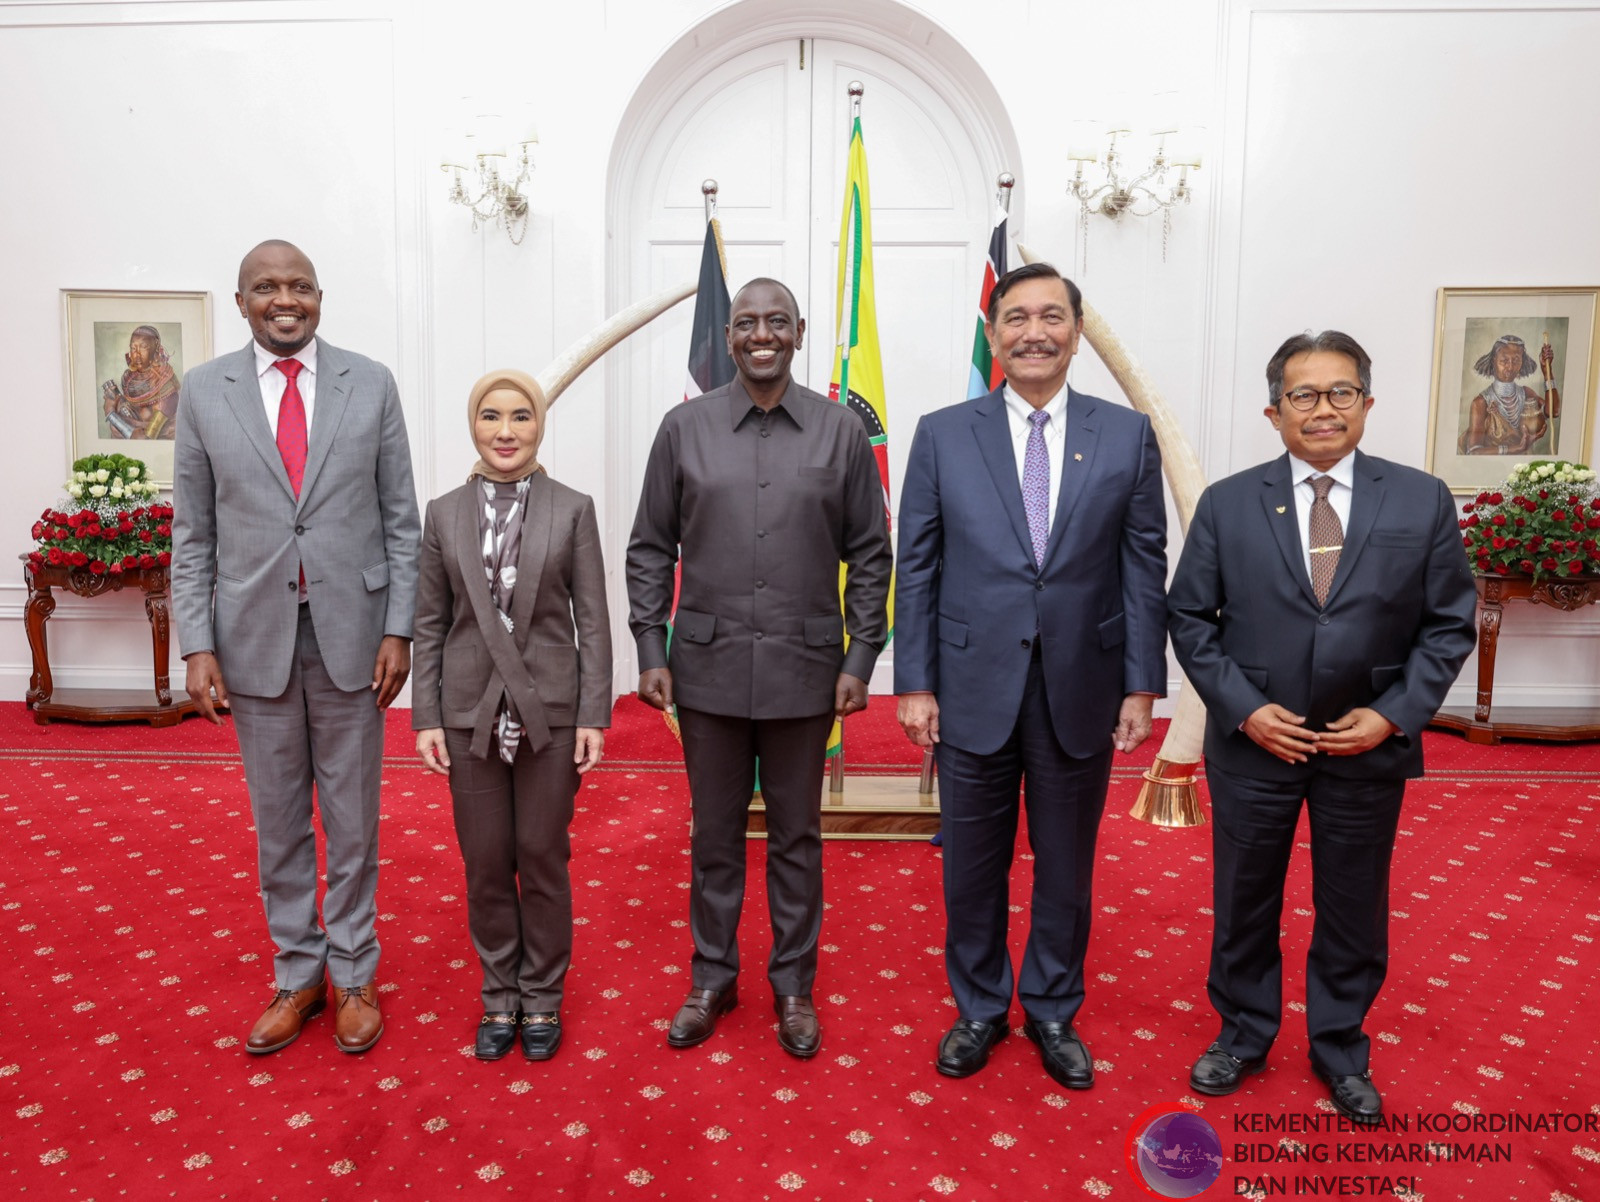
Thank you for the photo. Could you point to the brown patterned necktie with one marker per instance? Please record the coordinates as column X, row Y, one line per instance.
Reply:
column 1327, row 539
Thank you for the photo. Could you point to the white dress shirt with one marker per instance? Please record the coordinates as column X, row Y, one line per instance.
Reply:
column 1344, row 478
column 1055, row 438
column 273, row 381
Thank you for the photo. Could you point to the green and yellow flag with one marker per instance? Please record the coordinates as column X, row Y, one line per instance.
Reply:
column 857, row 365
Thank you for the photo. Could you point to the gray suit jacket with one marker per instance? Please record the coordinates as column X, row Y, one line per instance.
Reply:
column 561, row 586
column 240, row 539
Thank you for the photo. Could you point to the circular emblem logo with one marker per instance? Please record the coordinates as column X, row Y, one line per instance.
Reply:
column 1174, row 1153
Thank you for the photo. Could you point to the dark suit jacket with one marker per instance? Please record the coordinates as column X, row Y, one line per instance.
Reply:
column 762, row 512
column 1396, row 627
column 457, row 679
column 969, row 597
column 240, row 538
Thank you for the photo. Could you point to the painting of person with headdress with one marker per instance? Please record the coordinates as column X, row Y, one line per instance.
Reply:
column 145, row 404
column 1509, row 418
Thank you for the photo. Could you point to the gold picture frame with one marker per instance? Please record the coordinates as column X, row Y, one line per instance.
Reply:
column 1515, row 373
column 125, row 354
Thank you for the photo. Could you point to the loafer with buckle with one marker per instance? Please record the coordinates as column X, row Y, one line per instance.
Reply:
column 497, row 1031
column 1218, row 1072
column 1354, row 1095
column 1066, row 1058
column 966, row 1046
column 357, row 1021
column 541, row 1035
column 799, row 1033
column 697, row 1017
column 289, row 1011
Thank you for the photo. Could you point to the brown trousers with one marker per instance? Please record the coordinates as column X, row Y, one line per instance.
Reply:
column 511, row 822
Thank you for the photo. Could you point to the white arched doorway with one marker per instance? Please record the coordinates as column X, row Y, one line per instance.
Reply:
column 756, row 98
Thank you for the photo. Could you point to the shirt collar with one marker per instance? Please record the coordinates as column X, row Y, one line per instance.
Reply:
column 740, row 406
column 1343, row 472
column 1056, row 406
column 265, row 358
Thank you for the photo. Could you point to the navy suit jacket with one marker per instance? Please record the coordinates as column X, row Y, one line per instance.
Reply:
column 969, row 597
column 1392, row 636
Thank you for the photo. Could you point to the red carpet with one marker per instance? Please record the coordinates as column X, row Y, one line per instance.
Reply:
column 138, row 959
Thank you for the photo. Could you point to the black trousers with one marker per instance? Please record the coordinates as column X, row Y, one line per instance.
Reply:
column 1353, row 825
column 720, row 755
column 979, row 805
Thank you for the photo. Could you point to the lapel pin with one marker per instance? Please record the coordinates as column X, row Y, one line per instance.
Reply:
column 1079, row 456
column 1281, row 508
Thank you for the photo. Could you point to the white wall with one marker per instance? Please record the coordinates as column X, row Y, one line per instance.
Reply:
column 144, row 141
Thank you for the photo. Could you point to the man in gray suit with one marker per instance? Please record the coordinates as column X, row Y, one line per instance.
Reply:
column 294, row 569
column 760, row 489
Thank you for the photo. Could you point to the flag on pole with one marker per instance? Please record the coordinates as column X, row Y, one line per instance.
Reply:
column 857, row 364
column 987, row 375
column 709, row 364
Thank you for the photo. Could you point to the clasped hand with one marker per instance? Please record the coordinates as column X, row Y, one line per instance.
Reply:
column 1286, row 736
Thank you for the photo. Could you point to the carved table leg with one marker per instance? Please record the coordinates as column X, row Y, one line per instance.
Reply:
column 40, row 606
column 155, row 607
column 1489, row 612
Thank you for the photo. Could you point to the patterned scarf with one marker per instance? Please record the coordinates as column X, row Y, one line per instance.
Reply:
column 500, row 524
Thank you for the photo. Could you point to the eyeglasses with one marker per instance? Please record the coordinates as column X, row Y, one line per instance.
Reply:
column 1307, row 399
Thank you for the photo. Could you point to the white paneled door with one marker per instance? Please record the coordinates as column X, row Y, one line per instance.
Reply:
column 772, row 127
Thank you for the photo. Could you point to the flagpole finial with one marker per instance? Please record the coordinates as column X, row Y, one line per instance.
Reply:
column 855, row 89
column 708, row 189
column 1005, row 182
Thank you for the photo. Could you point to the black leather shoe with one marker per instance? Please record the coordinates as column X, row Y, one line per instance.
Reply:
column 497, row 1031
column 1354, row 1095
column 1065, row 1057
column 1217, row 1073
column 541, row 1035
column 799, row 1033
column 966, row 1046
column 697, row 1017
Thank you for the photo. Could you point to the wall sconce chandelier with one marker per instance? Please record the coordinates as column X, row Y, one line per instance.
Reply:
column 488, row 174
column 1122, row 186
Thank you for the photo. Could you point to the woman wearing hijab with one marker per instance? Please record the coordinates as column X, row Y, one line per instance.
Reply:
column 510, row 706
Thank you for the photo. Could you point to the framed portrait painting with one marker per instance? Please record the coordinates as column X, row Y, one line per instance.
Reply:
column 126, row 353
column 1515, row 372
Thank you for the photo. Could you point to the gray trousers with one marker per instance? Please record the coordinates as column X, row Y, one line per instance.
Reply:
column 720, row 755
column 511, row 822
column 315, row 733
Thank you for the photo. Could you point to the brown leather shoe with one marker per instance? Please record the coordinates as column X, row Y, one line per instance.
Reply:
column 697, row 1017
column 357, row 1022
column 799, row 1033
column 280, row 1025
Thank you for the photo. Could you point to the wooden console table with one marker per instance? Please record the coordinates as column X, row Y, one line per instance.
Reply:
column 1548, row 723
column 163, row 708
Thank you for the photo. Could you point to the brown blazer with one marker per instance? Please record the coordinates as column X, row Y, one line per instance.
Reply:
column 458, row 676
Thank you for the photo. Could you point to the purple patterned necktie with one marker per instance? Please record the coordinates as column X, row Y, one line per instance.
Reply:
column 1036, row 484
column 1327, row 538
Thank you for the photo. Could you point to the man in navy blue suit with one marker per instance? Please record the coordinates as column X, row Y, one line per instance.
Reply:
column 1321, row 608
column 1030, row 639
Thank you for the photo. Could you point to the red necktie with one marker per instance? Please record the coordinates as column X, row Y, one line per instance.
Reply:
column 292, row 433
column 292, row 424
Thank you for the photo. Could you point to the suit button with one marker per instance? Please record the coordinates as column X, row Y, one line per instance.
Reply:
column 764, row 483
column 759, row 635
column 299, row 529
column 761, row 534
column 761, row 584
column 1026, row 644
column 294, row 585
column 1039, row 585
column 1322, row 619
